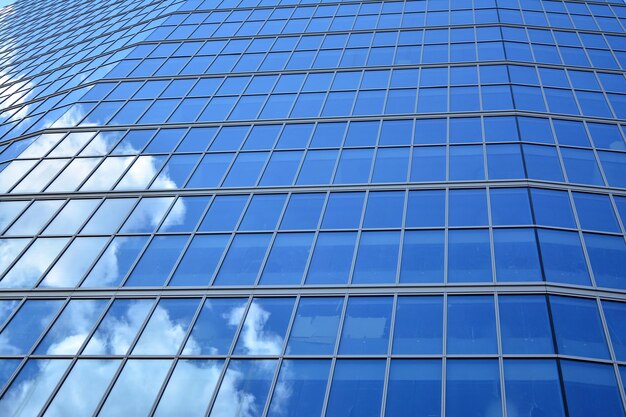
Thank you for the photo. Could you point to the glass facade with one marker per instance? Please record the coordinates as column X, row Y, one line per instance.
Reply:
column 313, row 208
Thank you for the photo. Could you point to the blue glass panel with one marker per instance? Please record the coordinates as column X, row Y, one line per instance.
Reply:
column 473, row 388
column 189, row 388
column 418, row 326
column 428, row 164
column 377, row 257
column 317, row 167
column 562, row 256
column 607, row 255
column 516, row 255
column 300, row 388
column 532, row 388
column 391, row 165
column 249, row 379
column 357, row 388
column 343, row 211
column 505, row 162
column 169, row 323
column 525, row 324
column 581, row 166
column 263, row 212
column 198, row 264
column 542, row 163
column 467, row 208
column 354, row 166
column 366, row 327
column 471, row 325
column 469, row 256
column 265, row 327
column 510, row 206
column 224, row 213
column 332, row 258
column 27, row 324
column 215, row 327
column 68, row 333
column 314, row 330
column 577, row 327
column 303, row 212
column 414, row 388
column 246, row 169
column 31, row 388
column 287, row 259
column 591, row 390
column 210, row 170
column 115, row 262
column 467, row 163
column 552, row 208
column 595, row 212
column 422, row 256
column 243, row 260
column 615, row 314
column 147, row 215
column 157, row 262
column 426, row 209
column 184, row 214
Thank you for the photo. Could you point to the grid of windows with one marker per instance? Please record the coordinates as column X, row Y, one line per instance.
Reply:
column 313, row 208
column 199, row 355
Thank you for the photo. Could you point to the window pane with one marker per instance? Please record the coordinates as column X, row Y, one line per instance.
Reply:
column 136, row 388
column 314, row 330
column 115, row 262
column 119, row 327
column 473, row 388
column 287, row 259
column 615, row 314
column 265, row 327
column 422, row 256
column 426, row 209
column 510, row 206
column 300, row 389
column 533, row 388
column 607, row 255
column 384, row 209
column 418, row 326
column 332, row 258
column 157, row 261
column 471, row 325
column 80, row 393
column 224, row 213
column 246, row 383
column 71, row 328
column 263, row 212
column 303, row 212
column 577, row 327
column 343, row 211
column 357, row 388
column 377, row 258
column 467, row 208
column 32, row 387
column 562, row 255
column 198, row 264
column 215, row 327
column 516, row 254
column 26, row 326
column 243, row 260
column 414, row 388
column 525, row 324
column 366, row 327
column 469, row 256
column 591, row 390
column 190, row 388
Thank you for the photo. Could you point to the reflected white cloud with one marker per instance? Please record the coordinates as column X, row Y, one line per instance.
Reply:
column 28, row 393
column 33, row 263
column 254, row 338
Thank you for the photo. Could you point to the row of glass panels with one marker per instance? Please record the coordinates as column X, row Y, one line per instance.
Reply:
column 414, row 386
column 354, row 134
column 316, row 167
column 420, row 326
column 454, row 208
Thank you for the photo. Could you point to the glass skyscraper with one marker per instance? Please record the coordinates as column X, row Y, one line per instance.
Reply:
column 313, row 208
